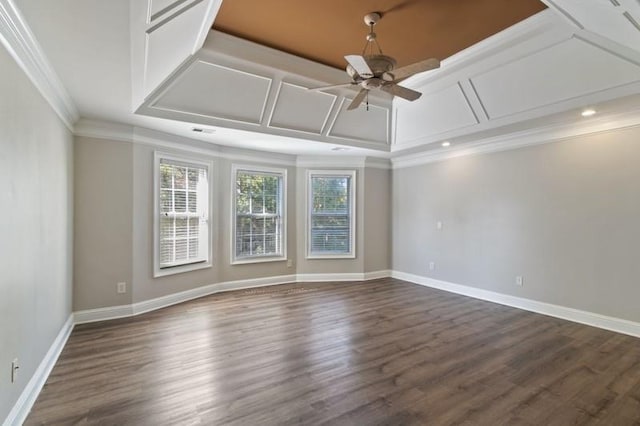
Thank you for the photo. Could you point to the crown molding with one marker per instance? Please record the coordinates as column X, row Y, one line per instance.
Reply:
column 377, row 163
column 143, row 136
column 311, row 161
column 139, row 135
column 104, row 130
column 20, row 42
column 537, row 136
column 326, row 161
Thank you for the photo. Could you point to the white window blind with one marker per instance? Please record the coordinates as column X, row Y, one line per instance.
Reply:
column 331, row 214
column 183, row 213
column 259, row 226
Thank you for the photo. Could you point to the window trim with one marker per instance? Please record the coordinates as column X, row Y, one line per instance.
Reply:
column 352, row 208
column 257, row 258
column 178, row 269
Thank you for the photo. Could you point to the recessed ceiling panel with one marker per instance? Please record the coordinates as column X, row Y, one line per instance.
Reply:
column 296, row 108
column 433, row 114
column 370, row 126
column 410, row 30
column 158, row 7
column 559, row 73
column 170, row 42
column 618, row 20
column 219, row 92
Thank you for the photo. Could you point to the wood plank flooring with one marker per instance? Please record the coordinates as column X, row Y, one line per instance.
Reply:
column 373, row 353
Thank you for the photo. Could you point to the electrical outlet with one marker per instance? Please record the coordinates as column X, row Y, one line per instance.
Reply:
column 14, row 370
column 121, row 287
column 519, row 280
column 289, row 263
column 432, row 266
column 439, row 225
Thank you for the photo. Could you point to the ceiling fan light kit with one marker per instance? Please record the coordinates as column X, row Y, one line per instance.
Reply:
column 373, row 70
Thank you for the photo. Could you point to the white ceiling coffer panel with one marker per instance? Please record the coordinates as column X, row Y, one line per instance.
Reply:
column 372, row 125
column 296, row 108
column 237, row 85
column 164, row 34
column 171, row 35
column 618, row 20
column 162, row 8
column 530, row 35
column 434, row 114
column 568, row 70
column 215, row 91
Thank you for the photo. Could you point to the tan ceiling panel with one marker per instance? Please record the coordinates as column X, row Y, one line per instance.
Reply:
column 410, row 30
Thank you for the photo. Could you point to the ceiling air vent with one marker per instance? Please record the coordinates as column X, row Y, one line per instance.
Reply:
column 203, row 130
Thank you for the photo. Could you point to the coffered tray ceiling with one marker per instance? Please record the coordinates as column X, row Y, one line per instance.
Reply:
column 410, row 30
column 157, row 64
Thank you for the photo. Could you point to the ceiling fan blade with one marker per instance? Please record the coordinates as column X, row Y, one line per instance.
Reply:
column 400, row 91
column 409, row 70
column 355, row 103
column 334, row 86
column 360, row 65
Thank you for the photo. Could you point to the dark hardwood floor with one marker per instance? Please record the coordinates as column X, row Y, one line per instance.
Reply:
column 380, row 352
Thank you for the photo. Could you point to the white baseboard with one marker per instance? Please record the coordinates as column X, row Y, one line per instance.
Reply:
column 102, row 314
column 22, row 407
column 583, row 317
column 122, row 311
column 317, row 278
column 172, row 299
column 375, row 275
column 352, row 276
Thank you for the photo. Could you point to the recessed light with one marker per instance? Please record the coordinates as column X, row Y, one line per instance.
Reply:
column 588, row 112
column 446, row 144
column 339, row 148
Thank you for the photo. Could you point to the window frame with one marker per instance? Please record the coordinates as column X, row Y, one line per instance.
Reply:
column 235, row 168
column 352, row 212
column 186, row 267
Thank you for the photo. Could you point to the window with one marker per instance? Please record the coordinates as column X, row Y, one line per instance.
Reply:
column 182, row 236
column 259, row 232
column 331, row 218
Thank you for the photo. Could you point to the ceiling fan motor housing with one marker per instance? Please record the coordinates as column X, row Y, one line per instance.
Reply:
column 379, row 64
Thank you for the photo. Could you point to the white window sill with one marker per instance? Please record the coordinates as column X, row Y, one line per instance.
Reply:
column 180, row 269
column 249, row 260
column 331, row 256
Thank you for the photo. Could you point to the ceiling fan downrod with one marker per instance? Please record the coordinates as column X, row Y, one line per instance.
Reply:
column 371, row 20
column 376, row 71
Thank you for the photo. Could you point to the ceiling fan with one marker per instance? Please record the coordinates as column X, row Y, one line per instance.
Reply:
column 377, row 71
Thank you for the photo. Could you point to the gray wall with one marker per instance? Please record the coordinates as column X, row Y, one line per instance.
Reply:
column 103, row 222
column 114, row 223
column 36, row 171
column 563, row 215
column 377, row 220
